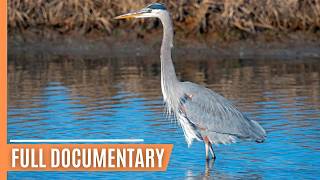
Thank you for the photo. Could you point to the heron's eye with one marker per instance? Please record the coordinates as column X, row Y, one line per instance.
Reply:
column 146, row 10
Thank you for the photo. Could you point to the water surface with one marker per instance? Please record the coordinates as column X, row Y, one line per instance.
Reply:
column 63, row 97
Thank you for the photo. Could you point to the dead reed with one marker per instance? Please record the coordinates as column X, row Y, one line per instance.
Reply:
column 201, row 16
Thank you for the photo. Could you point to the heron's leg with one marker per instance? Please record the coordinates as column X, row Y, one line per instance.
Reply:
column 211, row 151
column 207, row 145
column 207, row 151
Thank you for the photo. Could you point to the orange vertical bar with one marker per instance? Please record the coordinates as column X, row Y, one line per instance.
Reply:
column 3, row 89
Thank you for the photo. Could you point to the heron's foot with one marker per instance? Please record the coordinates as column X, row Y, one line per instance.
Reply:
column 210, row 163
column 212, row 158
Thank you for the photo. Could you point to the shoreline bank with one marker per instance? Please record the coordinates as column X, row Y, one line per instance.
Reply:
column 290, row 48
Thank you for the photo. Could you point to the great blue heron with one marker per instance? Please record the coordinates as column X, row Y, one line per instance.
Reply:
column 203, row 114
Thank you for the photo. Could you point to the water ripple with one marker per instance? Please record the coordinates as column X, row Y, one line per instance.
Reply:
column 108, row 98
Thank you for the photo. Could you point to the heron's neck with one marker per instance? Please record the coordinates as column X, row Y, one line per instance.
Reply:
column 169, row 79
column 167, row 69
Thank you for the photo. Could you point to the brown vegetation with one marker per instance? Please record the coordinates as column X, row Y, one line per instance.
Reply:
column 210, row 17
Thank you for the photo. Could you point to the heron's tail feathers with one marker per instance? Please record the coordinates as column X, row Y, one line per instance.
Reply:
column 257, row 132
column 253, row 132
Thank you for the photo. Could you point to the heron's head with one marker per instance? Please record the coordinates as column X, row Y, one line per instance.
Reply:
column 152, row 10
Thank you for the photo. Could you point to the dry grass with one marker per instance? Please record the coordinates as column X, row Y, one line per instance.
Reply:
column 203, row 16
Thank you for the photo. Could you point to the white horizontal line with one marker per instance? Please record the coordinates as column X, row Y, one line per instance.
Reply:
column 73, row 140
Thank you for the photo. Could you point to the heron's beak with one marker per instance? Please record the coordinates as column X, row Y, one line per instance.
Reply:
column 129, row 15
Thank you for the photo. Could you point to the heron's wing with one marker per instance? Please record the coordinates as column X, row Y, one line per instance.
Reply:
column 212, row 112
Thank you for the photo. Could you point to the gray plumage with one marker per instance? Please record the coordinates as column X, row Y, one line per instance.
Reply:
column 217, row 117
column 203, row 114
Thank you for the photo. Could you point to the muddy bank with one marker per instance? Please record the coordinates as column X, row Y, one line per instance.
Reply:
column 299, row 47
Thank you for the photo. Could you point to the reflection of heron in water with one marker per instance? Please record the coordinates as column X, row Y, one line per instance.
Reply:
column 203, row 114
column 209, row 173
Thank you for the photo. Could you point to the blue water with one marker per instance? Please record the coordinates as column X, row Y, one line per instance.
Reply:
column 76, row 98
